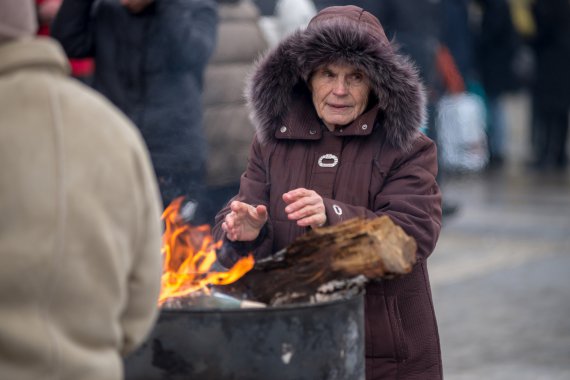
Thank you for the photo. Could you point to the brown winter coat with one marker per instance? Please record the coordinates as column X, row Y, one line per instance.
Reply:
column 385, row 167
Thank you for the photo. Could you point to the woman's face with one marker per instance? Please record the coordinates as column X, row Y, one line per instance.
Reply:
column 340, row 94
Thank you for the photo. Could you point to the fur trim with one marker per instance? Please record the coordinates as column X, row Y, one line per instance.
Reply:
column 354, row 41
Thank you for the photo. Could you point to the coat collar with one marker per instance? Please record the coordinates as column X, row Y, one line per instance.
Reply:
column 32, row 52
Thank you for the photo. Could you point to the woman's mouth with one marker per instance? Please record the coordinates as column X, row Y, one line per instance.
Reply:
column 338, row 106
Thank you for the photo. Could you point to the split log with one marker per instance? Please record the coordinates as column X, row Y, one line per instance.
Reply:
column 334, row 259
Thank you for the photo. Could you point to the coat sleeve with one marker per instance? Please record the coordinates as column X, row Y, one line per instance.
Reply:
column 144, row 279
column 409, row 195
column 73, row 28
column 254, row 190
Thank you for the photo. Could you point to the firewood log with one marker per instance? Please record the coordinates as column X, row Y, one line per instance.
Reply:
column 372, row 249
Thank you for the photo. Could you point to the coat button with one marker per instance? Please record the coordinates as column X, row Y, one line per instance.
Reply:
column 364, row 127
column 331, row 161
column 283, row 129
column 337, row 210
column 312, row 132
column 341, row 130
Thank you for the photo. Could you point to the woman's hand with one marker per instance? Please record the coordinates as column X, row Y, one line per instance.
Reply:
column 306, row 207
column 244, row 222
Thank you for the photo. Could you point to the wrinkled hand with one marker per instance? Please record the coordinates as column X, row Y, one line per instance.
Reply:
column 306, row 207
column 244, row 222
column 136, row 6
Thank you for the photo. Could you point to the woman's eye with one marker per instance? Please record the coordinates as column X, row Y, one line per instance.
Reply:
column 356, row 78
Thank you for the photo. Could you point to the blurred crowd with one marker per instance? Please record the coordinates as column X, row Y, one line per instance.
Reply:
column 177, row 69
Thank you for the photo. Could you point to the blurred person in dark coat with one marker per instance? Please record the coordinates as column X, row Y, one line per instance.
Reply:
column 80, row 231
column 497, row 47
column 338, row 111
column 457, row 36
column 551, row 90
column 150, row 57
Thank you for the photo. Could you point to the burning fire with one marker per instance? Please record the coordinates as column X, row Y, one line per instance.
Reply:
column 189, row 253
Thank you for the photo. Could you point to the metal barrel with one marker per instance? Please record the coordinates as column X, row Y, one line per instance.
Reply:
column 294, row 342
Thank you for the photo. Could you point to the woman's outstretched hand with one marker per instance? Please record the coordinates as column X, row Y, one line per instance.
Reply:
column 306, row 207
column 244, row 222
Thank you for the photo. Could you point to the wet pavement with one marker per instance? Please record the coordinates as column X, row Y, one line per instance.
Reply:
column 501, row 275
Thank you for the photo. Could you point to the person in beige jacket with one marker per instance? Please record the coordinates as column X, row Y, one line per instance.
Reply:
column 80, row 229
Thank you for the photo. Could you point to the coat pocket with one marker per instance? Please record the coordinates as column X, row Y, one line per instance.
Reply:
column 384, row 333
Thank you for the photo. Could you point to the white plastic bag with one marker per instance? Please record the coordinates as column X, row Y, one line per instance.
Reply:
column 461, row 124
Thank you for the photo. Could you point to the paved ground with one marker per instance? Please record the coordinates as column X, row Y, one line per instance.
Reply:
column 501, row 273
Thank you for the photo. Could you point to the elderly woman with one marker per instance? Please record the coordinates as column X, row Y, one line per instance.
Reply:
column 337, row 112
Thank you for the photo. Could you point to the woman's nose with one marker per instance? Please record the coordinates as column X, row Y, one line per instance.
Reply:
column 340, row 86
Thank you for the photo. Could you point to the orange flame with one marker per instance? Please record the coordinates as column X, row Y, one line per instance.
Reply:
column 189, row 252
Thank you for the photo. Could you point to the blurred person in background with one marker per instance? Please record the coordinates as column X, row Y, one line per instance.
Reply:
column 523, row 21
column 497, row 46
column 551, row 90
column 150, row 57
column 229, row 131
column 82, row 68
column 338, row 112
column 457, row 36
column 80, row 232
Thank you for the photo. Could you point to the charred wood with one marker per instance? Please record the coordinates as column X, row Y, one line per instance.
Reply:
column 331, row 262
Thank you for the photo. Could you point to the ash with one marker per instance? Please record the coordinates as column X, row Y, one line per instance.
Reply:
column 339, row 289
column 331, row 291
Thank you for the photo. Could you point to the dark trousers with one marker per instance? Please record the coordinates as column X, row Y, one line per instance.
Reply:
column 550, row 134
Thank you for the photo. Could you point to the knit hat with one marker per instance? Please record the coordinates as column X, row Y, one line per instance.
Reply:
column 18, row 19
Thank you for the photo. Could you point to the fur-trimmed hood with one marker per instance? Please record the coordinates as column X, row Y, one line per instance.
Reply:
column 346, row 34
